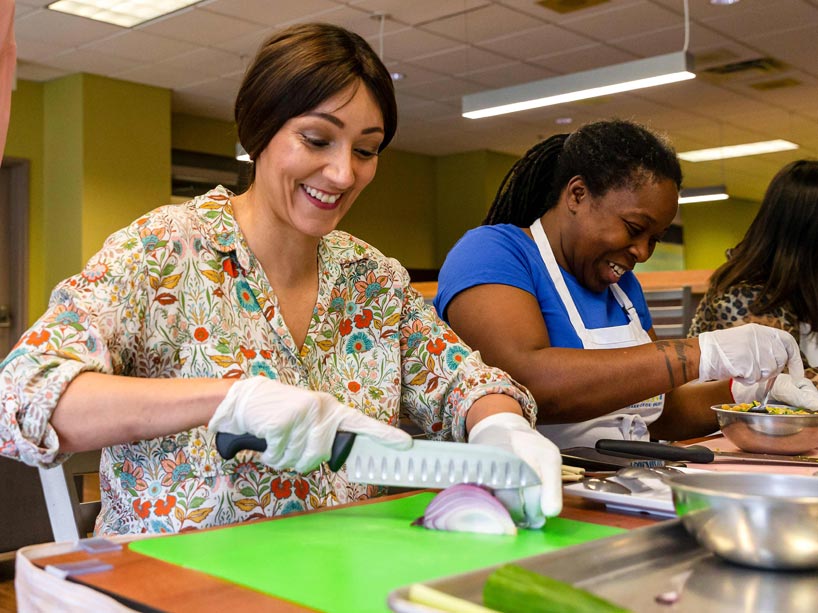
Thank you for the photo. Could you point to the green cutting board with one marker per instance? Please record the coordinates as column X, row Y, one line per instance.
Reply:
column 349, row 559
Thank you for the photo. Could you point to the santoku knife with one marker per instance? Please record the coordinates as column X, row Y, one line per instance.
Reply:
column 427, row 464
column 696, row 453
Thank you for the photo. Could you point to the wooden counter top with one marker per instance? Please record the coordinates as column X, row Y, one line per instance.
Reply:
column 667, row 279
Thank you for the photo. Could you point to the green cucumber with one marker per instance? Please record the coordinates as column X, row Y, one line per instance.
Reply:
column 513, row 589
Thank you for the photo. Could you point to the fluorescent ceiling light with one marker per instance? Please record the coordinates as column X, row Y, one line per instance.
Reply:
column 638, row 74
column 703, row 194
column 125, row 13
column 737, row 151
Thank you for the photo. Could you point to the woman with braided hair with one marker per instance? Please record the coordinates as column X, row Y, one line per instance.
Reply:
column 549, row 275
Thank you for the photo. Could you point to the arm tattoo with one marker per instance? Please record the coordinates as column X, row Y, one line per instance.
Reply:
column 678, row 348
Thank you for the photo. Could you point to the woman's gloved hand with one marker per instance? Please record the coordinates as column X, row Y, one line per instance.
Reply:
column 512, row 432
column 796, row 392
column 748, row 354
column 298, row 424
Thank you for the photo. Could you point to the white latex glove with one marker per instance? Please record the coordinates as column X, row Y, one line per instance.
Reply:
column 298, row 424
column 794, row 391
column 512, row 432
column 748, row 354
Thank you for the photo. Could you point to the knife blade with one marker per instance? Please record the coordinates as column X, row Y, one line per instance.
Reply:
column 432, row 464
column 696, row 453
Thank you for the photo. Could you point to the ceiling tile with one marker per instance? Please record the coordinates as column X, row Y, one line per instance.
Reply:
column 409, row 43
column 137, row 45
column 270, row 13
column 80, row 60
column 765, row 18
column 213, row 88
column 200, row 27
column 587, row 58
column 798, row 47
column 61, row 29
column 460, row 60
column 211, row 62
column 37, row 72
column 536, row 10
column 417, row 11
column 414, row 74
column 247, row 45
column 161, row 75
column 617, row 20
column 427, row 110
column 483, row 23
column 33, row 50
column 194, row 104
column 544, row 40
column 508, row 74
column 22, row 9
column 444, row 90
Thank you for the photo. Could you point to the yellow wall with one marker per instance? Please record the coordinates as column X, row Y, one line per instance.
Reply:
column 203, row 135
column 666, row 256
column 63, row 168
column 100, row 156
column 25, row 140
column 710, row 228
column 126, row 155
column 466, row 186
column 396, row 213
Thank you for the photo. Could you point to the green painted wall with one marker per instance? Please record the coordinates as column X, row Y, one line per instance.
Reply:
column 666, row 256
column 396, row 212
column 712, row 227
column 126, row 143
column 466, row 186
column 99, row 151
column 203, row 135
column 25, row 140
column 63, row 180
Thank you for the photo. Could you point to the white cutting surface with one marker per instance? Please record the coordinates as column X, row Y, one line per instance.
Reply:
column 657, row 500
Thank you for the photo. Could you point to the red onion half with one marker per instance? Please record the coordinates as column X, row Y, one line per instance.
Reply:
column 467, row 508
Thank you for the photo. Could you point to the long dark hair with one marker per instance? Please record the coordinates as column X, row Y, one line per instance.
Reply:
column 606, row 154
column 780, row 249
column 298, row 68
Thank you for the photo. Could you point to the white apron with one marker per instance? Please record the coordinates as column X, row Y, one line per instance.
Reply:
column 629, row 423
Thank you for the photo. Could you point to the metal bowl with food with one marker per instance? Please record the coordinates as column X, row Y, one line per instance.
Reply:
column 779, row 430
column 756, row 519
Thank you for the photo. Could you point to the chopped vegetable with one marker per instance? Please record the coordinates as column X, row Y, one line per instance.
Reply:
column 441, row 601
column 467, row 508
column 513, row 589
column 743, row 407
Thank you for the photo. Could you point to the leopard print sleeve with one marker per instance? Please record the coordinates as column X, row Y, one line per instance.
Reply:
column 717, row 311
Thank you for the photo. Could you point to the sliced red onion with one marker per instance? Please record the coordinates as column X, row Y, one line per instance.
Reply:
column 467, row 508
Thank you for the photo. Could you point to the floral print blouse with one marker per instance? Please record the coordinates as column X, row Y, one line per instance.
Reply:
column 717, row 311
column 178, row 293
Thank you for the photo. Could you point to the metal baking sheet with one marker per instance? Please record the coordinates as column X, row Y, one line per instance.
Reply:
column 635, row 568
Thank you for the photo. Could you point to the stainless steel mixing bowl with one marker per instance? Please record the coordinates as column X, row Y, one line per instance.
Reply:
column 766, row 433
column 757, row 519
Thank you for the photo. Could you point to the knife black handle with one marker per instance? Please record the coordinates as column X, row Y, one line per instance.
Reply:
column 228, row 445
column 645, row 449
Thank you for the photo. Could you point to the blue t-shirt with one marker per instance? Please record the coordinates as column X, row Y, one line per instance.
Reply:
column 504, row 254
